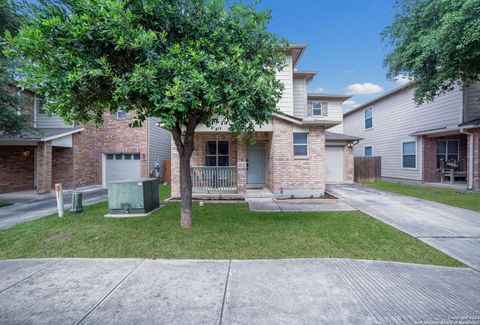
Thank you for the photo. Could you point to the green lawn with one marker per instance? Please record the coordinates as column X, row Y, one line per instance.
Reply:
column 221, row 231
column 468, row 200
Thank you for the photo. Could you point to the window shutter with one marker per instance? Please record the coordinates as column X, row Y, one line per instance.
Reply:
column 309, row 109
column 324, row 108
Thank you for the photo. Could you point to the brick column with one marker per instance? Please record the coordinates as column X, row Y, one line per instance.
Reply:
column 349, row 163
column 44, row 167
column 242, row 165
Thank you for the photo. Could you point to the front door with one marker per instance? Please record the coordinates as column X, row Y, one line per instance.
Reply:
column 256, row 164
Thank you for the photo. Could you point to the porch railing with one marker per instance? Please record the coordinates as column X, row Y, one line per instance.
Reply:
column 207, row 179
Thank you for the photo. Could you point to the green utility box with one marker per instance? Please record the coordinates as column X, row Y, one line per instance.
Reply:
column 133, row 196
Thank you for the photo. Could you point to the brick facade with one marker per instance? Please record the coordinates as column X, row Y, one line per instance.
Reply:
column 44, row 167
column 16, row 168
column 286, row 175
column 62, row 167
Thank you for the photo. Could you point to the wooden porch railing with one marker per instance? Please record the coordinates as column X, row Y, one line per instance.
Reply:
column 207, row 179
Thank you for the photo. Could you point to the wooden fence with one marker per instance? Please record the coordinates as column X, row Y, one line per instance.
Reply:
column 367, row 169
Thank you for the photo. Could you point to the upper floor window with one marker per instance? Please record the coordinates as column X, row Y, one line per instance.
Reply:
column 368, row 118
column 368, row 151
column 300, row 144
column 409, row 154
column 121, row 115
column 447, row 151
column 319, row 108
column 39, row 102
column 217, row 153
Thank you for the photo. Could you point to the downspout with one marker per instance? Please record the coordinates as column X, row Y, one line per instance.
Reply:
column 470, row 158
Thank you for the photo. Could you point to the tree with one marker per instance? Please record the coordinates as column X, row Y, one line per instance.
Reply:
column 436, row 43
column 187, row 62
column 11, row 123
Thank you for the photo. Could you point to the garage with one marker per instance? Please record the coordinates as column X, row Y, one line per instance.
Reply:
column 334, row 164
column 121, row 166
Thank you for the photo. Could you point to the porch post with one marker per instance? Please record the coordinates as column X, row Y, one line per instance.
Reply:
column 44, row 167
column 242, row 165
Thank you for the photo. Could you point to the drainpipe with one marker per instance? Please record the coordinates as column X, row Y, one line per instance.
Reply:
column 470, row 158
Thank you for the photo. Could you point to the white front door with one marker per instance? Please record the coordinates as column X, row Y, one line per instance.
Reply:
column 334, row 164
column 121, row 166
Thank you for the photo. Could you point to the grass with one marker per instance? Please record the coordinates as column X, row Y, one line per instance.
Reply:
column 466, row 200
column 4, row 204
column 221, row 231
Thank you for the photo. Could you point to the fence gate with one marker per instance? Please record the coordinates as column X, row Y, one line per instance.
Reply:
column 367, row 169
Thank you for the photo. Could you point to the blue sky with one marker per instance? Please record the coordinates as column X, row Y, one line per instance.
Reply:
column 344, row 44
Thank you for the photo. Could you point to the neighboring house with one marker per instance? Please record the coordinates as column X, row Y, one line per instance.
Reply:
column 78, row 155
column 293, row 154
column 421, row 143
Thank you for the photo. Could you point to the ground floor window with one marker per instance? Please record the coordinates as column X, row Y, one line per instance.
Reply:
column 409, row 153
column 217, row 153
column 447, row 151
column 368, row 151
column 123, row 156
column 300, row 144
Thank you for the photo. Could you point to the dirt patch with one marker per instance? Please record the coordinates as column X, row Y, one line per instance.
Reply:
column 60, row 236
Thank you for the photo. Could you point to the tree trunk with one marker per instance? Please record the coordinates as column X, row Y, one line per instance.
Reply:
column 185, row 192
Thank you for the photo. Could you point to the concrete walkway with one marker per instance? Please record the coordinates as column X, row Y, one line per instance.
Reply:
column 296, row 205
column 452, row 230
column 29, row 207
column 304, row 291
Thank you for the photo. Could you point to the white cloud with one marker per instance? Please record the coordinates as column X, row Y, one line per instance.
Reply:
column 349, row 104
column 402, row 79
column 320, row 90
column 366, row 88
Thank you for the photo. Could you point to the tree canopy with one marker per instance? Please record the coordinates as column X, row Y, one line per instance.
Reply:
column 436, row 43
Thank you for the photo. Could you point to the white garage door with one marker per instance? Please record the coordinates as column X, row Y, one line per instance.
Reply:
column 334, row 164
column 121, row 166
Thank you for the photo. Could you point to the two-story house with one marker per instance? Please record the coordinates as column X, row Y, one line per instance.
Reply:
column 434, row 142
column 79, row 155
column 293, row 155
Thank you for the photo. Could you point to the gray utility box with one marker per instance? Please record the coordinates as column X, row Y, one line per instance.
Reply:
column 133, row 196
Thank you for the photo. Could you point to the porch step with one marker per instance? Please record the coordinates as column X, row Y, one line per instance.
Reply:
column 263, row 193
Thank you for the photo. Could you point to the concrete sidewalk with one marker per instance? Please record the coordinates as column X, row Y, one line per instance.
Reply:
column 297, row 205
column 306, row 291
column 31, row 207
column 454, row 231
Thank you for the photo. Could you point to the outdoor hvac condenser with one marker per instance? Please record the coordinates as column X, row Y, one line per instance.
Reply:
column 133, row 196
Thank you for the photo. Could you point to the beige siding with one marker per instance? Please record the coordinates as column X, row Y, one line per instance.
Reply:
column 394, row 119
column 334, row 110
column 286, row 77
column 472, row 102
column 53, row 121
column 158, row 144
column 336, row 129
column 299, row 97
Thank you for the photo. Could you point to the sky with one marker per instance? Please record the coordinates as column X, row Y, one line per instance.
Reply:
column 344, row 43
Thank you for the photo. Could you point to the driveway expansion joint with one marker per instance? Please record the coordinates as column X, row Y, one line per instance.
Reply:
column 225, row 292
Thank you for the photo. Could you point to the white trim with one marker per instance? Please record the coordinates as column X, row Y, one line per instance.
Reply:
column 300, row 144
column 313, row 108
column 61, row 135
column 416, row 155
column 104, row 173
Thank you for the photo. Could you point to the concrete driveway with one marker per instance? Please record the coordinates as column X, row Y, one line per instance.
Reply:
column 304, row 291
column 36, row 206
column 452, row 230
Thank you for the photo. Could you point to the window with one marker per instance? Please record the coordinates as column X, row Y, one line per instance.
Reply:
column 216, row 153
column 409, row 153
column 39, row 102
column 319, row 108
column 136, row 156
column 127, row 156
column 118, row 156
column 300, row 144
column 368, row 118
column 447, row 151
column 121, row 115
column 109, row 157
column 368, row 151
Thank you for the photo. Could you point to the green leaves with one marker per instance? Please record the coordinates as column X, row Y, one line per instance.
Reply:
column 435, row 42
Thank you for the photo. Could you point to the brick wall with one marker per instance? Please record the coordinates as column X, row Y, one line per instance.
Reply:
column 62, row 167
column 44, row 167
column 16, row 169
column 297, row 176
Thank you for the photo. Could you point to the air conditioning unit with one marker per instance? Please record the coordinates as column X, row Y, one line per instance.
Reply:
column 133, row 196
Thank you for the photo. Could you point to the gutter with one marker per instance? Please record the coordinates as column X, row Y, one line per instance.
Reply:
column 470, row 158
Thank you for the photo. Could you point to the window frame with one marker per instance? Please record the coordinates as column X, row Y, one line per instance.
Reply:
column 365, row 151
column 217, row 154
column 313, row 108
column 300, row 144
column 445, row 156
column 370, row 118
column 415, row 155
column 128, row 115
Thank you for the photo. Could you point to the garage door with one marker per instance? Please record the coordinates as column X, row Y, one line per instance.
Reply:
column 334, row 164
column 121, row 166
